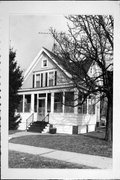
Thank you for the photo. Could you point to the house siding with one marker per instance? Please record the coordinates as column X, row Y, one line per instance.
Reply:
column 61, row 78
column 66, row 122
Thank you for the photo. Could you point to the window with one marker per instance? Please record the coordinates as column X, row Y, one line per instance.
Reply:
column 37, row 80
column 91, row 105
column 85, row 107
column 45, row 79
column 58, row 101
column 82, row 108
column 49, row 102
column 20, row 106
column 51, row 78
column 35, row 102
column 69, row 102
column 27, row 103
column 42, row 95
column 44, row 63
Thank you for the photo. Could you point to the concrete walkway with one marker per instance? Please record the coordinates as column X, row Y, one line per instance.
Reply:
column 71, row 157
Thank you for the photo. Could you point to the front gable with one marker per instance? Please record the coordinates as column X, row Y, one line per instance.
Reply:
column 43, row 64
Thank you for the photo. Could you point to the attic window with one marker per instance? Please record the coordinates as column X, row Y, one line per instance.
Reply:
column 45, row 63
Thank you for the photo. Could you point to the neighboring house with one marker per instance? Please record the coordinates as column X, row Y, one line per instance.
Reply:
column 48, row 89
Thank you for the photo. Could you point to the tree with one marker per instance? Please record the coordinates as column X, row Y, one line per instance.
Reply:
column 15, row 82
column 89, row 39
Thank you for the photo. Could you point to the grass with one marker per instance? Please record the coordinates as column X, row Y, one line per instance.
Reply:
column 24, row 160
column 14, row 131
column 92, row 143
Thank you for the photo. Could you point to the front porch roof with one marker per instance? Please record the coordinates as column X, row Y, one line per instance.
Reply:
column 68, row 86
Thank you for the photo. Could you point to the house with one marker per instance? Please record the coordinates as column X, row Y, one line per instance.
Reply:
column 48, row 94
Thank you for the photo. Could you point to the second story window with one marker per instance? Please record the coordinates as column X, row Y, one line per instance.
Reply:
column 51, row 78
column 37, row 80
column 45, row 79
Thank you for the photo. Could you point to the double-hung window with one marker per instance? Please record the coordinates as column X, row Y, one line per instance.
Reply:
column 37, row 80
column 58, row 102
column 91, row 105
column 82, row 108
column 69, row 102
column 51, row 78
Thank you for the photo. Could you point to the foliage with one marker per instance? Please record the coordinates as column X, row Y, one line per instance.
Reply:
column 15, row 82
column 89, row 42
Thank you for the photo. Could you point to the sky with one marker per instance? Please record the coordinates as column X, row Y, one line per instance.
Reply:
column 25, row 37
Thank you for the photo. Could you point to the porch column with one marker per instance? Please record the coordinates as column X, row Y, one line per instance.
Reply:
column 63, row 101
column 32, row 103
column 52, row 102
column 46, row 103
column 76, row 102
column 23, row 103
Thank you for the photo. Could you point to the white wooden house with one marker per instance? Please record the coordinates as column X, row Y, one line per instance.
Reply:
column 47, row 89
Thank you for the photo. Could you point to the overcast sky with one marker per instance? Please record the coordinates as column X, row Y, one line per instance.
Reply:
column 25, row 37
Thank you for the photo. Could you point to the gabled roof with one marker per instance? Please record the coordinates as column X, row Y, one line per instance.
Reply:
column 60, row 63
column 52, row 56
column 74, row 67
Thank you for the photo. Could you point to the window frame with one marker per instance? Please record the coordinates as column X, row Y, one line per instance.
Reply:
column 69, row 101
column 29, row 109
column 37, row 81
column 61, row 110
column 82, row 106
column 43, row 66
column 45, row 78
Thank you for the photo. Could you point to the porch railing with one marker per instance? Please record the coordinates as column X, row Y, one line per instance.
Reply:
column 29, row 120
column 46, row 118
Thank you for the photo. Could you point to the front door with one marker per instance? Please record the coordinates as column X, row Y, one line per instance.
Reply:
column 41, row 109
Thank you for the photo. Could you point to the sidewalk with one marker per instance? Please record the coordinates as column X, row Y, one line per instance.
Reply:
column 71, row 157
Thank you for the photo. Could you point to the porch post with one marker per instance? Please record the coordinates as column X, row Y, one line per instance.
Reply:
column 32, row 103
column 46, row 103
column 75, row 102
column 52, row 102
column 23, row 103
column 63, row 101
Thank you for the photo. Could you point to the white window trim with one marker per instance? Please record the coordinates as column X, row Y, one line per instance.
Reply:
column 53, row 77
column 35, row 79
column 36, row 73
column 42, row 63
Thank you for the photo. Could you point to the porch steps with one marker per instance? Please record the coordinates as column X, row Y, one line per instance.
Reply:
column 37, row 126
column 46, row 129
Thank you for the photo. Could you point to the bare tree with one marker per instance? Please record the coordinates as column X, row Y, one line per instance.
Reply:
column 89, row 42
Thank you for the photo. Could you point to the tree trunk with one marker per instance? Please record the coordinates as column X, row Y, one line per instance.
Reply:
column 109, row 121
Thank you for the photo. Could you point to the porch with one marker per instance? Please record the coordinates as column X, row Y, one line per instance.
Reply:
column 64, row 114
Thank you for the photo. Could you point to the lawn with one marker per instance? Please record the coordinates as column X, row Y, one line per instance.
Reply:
column 24, row 160
column 14, row 131
column 92, row 143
